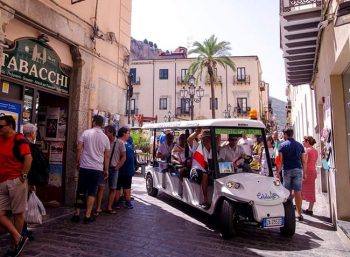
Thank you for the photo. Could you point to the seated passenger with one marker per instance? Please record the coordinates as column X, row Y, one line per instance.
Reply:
column 200, row 161
column 164, row 151
column 193, row 140
column 247, row 144
column 178, row 155
column 232, row 152
column 257, row 150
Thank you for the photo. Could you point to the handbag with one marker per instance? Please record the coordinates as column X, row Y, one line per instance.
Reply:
column 35, row 211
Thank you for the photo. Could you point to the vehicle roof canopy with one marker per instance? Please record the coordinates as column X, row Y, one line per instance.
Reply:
column 206, row 123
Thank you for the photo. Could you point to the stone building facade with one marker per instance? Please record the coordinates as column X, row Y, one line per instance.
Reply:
column 61, row 64
column 158, row 84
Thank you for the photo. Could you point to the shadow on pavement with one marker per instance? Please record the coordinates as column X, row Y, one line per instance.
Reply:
column 255, row 238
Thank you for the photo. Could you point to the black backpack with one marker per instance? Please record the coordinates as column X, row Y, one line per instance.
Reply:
column 39, row 171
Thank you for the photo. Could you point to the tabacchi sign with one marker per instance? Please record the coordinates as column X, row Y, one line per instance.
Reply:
column 35, row 62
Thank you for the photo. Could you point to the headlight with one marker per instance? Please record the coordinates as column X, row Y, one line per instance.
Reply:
column 277, row 182
column 232, row 184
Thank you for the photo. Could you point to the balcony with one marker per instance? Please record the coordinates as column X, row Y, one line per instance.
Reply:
column 241, row 111
column 182, row 111
column 133, row 111
column 217, row 80
column 241, row 79
column 136, row 81
column 181, row 80
column 299, row 26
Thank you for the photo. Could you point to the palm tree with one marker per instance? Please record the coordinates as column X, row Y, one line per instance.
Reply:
column 209, row 54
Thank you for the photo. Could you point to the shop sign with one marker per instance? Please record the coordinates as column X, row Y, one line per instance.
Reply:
column 35, row 62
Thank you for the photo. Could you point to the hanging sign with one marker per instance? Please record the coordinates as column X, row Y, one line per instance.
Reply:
column 33, row 61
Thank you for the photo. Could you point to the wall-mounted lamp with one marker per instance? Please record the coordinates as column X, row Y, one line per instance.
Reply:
column 43, row 38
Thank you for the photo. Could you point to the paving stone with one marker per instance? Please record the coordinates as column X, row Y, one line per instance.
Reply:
column 164, row 226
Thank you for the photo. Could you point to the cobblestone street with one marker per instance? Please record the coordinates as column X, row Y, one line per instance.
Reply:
column 165, row 227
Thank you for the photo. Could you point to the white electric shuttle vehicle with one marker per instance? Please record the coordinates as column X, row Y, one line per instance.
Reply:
column 236, row 192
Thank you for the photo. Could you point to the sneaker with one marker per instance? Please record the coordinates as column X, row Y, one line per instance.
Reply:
column 75, row 218
column 128, row 205
column 88, row 220
column 19, row 247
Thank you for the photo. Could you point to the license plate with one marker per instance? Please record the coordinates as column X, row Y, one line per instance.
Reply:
column 273, row 222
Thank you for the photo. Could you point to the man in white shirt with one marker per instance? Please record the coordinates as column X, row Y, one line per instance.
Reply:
column 247, row 144
column 164, row 151
column 93, row 161
column 231, row 152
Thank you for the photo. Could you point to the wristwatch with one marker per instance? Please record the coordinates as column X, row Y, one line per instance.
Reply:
column 24, row 176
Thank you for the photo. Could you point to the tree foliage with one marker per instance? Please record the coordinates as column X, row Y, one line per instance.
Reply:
column 209, row 54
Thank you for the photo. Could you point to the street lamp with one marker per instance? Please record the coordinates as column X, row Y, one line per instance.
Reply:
column 192, row 91
column 227, row 112
column 169, row 117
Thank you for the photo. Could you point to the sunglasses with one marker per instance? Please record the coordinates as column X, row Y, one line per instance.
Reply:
column 1, row 126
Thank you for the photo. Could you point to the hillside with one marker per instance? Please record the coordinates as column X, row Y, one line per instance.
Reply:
column 279, row 109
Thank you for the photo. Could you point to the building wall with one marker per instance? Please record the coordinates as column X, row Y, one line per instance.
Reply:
column 227, row 92
column 98, row 59
column 333, row 60
column 303, row 112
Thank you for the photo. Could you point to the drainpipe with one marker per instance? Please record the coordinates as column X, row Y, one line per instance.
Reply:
column 153, row 90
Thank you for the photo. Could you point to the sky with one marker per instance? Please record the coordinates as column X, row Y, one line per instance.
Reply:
column 250, row 26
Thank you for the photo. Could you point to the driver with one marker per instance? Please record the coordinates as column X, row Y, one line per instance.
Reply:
column 232, row 152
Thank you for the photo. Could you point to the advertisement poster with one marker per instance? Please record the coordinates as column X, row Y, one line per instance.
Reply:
column 56, row 152
column 52, row 117
column 55, row 178
column 11, row 108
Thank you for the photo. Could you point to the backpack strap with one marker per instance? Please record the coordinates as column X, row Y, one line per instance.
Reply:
column 16, row 147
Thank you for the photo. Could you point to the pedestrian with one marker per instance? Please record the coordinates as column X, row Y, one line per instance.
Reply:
column 116, row 160
column 38, row 174
column 293, row 165
column 308, row 190
column 264, row 169
column 13, row 182
column 92, row 159
column 126, row 171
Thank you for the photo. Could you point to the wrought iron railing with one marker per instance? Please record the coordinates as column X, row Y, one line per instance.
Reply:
column 241, row 79
column 136, row 81
column 217, row 80
column 294, row 5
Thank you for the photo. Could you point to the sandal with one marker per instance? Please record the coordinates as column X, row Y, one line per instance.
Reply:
column 110, row 211
column 97, row 213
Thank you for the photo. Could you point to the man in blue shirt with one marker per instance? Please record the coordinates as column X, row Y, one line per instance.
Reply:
column 293, row 164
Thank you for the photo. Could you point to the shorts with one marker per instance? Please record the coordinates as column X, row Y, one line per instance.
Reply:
column 88, row 181
column 293, row 179
column 13, row 195
column 112, row 178
column 101, row 181
column 124, row 182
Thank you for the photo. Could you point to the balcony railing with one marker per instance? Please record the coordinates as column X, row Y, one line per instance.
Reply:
column 133, row 111
column 217, row 80
column 136, row 81
column 242, row 110
column 242, row 79
column 181, row 80
column 182, row 111
column 296, row 5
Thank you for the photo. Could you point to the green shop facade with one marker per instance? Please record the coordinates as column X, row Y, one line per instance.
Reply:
column 35, row 88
